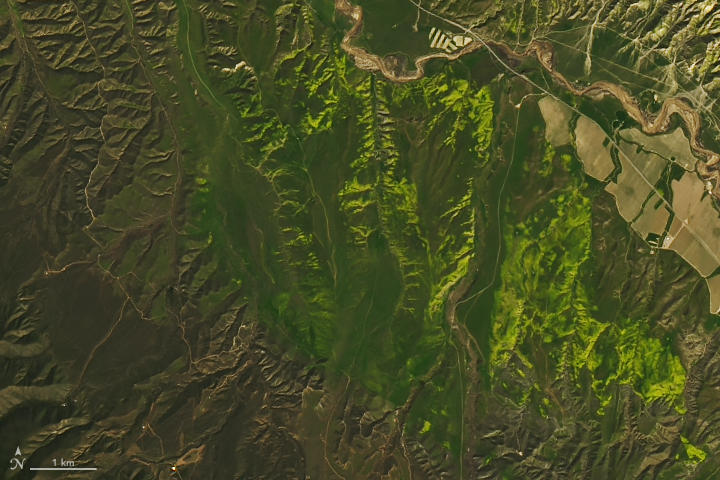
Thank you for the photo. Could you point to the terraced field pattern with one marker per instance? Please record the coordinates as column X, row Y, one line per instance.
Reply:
column 359, row 239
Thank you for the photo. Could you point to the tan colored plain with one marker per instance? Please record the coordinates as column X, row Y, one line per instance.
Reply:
column 640, row 172
column 557, row 117
column 705, row 222
column 595, row 156
column 652, row 220
column 714, row 287
column 698, row 241
column 687, row 193
column 688, row 247
column 672, row 146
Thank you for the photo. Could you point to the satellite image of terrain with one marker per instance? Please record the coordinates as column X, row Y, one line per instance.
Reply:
column 360, row 239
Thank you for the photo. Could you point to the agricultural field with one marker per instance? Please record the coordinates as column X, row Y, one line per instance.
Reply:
column 350, row 239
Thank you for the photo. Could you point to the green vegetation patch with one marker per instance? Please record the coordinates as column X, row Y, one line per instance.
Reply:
column 545, row 307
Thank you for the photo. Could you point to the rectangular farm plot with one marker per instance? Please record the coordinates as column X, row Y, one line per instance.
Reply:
column 687, row 192
column 673, row 146
column 695, row 232
column 592, row 148
column 675, row 227
column 557, row 117
column 653, row 219
column 705, row 222
column 694, row 252
column 640, row 172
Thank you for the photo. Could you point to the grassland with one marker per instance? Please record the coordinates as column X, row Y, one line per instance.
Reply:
column 230, row 250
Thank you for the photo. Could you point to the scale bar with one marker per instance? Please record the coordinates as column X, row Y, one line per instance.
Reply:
column 65, row 468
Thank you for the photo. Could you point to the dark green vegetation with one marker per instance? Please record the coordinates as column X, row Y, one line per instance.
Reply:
column 228, row 250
